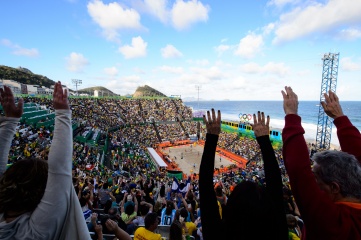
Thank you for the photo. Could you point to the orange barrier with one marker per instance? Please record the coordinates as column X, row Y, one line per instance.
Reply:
column 176, row 143
column 240, row 161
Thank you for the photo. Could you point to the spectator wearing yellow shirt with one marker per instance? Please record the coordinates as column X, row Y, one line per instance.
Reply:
column 147, row 233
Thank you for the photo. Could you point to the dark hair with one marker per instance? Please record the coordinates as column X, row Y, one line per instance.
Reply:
column 129, row 209
column 150, row 219
column 184, row 213
column 22, row 186
column 291, row 221
column 219, row 192
column 175, row 231
column 169, row 208
column 162, row 191
column 144, row 209
column 245, row 208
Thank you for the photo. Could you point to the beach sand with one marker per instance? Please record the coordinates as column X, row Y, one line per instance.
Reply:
column 192, row 155
column 332, row 146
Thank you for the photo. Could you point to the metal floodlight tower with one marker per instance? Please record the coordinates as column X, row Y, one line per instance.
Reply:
column 198, row 87
column 329, row 82
column 76, row 82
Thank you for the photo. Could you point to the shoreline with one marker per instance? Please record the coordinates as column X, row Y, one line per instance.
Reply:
column 332, row 145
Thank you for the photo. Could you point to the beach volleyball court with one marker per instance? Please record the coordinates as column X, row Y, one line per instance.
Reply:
column 188, row 155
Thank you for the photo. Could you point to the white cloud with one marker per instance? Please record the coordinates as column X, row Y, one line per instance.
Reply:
column 249, row 45
column 138, row 70
column 168, row 69
column 221, row 48
column 76, row 62
column 18, row 50
column 184, row 14
column 268, row 28
column 348, row 65
column 112, row 71
column 124, row 85
column 209, row 73
column 158, row 9
column 278, row 69
column 350, row 34
column 113, row 17
column 198, row 62
column 170, row 51
column 280, row 3
column 317, row 17
column 137, row 49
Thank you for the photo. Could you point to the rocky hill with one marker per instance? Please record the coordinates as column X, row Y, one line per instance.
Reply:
column 146, row 91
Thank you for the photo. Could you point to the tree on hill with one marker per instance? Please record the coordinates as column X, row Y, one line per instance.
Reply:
column 102, row 91
column 24, row 76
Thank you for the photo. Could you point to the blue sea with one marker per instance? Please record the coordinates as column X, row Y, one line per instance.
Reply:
column 308, row 110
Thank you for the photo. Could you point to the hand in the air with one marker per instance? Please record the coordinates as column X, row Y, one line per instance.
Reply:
column 213, row 123
column 260, row 125
column 290, row 101
column 331, row 105
column 8, row 103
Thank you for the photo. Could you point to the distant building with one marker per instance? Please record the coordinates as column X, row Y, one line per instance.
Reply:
column 13, row 85
column 96, row 93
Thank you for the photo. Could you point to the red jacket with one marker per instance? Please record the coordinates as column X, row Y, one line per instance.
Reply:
column 323, row 218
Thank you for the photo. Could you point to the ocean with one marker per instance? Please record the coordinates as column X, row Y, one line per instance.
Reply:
column 308, row 110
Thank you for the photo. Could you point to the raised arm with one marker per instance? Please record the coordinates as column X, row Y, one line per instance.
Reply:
column 56, row 199
column 348, row 135
column 8, row 123
column 118, row 232
column 313, row 203
column 272, row 172
column 211, row 220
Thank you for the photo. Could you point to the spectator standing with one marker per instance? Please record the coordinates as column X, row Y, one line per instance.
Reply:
column 329, row 195
column 31, row 189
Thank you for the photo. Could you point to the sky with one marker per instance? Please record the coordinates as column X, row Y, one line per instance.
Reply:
column 226, row 49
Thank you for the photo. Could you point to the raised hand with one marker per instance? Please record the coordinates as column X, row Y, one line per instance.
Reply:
column 60, row 97
column 98, row 229
column 8, row 103
column 111, row 225
column 331, row 105
column 260, row 125
column 213, row 124
column 290, row 101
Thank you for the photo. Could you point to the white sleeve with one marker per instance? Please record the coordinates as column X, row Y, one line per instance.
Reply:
column 7, row 131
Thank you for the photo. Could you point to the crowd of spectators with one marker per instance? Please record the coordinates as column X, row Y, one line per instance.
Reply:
column 130, row 197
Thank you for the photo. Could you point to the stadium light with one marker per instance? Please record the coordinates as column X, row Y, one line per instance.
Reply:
column 76, row 82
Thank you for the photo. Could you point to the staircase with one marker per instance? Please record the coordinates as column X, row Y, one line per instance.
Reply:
column 184, row 130
column 141, row 110
column 157, row 132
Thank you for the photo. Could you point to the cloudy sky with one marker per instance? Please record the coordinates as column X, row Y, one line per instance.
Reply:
column 233, row 49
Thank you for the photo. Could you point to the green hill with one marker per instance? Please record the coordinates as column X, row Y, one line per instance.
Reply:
column 102, row 91
column 24, row 76
column 147, row 91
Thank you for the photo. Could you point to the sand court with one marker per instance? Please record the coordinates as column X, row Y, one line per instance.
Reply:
column 186, row 156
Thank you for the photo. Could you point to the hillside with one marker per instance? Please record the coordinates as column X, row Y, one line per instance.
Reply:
column 147, row 91
column 24, row 76
column 102, row 91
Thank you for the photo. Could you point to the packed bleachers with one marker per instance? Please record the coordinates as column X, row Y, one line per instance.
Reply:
column 111, row 136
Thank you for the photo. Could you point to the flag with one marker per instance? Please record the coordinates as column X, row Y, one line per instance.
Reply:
column 181, row 187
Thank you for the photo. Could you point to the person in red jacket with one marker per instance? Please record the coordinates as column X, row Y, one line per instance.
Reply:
column 329, row 194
